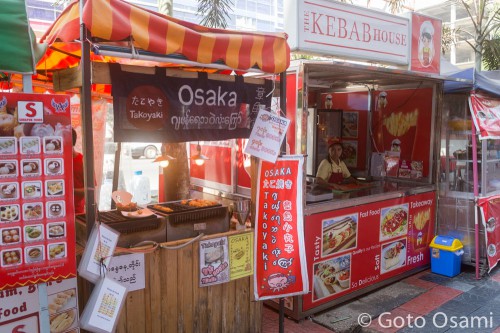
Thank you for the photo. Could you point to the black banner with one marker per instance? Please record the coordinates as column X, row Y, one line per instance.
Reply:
column 160, row 108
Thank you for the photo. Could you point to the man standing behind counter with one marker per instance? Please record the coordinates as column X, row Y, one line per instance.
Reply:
column 332, row 171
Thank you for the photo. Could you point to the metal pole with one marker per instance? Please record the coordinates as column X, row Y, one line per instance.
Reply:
column 283, row 152
column 283, row 106
column 87, row 132
column 476, row 194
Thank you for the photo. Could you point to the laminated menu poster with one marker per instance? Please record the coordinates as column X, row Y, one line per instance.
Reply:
column 98, row 252
column 280, row 263
column 214, row 262
column 102, row 311
column 37, row 242
column 241, row 255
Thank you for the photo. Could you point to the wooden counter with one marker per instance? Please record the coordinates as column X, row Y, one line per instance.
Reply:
column 173, row 301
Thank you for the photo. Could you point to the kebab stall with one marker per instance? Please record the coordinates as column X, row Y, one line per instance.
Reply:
column 362, row 236
column 173, row 275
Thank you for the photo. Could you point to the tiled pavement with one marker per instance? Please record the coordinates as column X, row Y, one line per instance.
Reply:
column 424, row 302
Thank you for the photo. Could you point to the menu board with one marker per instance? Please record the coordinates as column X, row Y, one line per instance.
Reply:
column 353, row 248
column 36, row 190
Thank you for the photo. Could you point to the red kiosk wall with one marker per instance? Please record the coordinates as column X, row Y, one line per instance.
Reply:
column 217, row 168
column 243, row 179
column 364, row 256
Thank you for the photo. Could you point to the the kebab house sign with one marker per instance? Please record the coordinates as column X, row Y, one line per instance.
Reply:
column 325, row 27
column 156, row 108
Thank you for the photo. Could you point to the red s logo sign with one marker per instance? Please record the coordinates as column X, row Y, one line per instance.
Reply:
column 31, row 111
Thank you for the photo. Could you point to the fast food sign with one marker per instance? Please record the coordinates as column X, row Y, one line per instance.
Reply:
column 333, row 28
column 280, row 266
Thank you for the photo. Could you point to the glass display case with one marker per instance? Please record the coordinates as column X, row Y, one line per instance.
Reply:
column 456, row 206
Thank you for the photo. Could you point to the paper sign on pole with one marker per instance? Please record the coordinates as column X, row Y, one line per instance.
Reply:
column 267, row 135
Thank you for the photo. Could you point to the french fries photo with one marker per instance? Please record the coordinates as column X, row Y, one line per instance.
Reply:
column 397, row 124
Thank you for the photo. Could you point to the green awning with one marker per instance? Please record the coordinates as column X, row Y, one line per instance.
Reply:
column 19, row 51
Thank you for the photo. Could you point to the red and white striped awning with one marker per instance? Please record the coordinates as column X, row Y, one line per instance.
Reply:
column 119, row 23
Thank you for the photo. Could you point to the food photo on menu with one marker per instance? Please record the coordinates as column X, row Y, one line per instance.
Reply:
column 52, row 145
column 9, row 191
column 9, row 213
column 33, row 211
column 10, row 235
column 32, row 189
column 393, row 222
column 54, row 187
column 8, row 146
column 57, row 251
column 421, row 224
column 393, row 255
column 54, row 166
column 63, row 321
column 33, row 233
column 30, row 145
column 55, row 209
column 31, row 167
column 331, row 276
column 56, row 230
column 8, row 168
column 11, row 257
column 34, row 254
column 339, row 234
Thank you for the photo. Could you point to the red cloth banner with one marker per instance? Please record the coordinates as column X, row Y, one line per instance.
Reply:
column 280, row 266
column 486, row 115
column 490, row 211
column 37, row 227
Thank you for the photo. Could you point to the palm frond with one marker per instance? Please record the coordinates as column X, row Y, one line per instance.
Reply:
column 215, row 12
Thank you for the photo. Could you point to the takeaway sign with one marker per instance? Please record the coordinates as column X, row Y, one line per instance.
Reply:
column 332, row 28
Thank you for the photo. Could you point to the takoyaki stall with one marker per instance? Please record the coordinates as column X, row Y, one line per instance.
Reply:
column 201, row 283
column 364, row 233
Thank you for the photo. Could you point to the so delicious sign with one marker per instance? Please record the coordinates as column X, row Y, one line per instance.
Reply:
column 332, row 28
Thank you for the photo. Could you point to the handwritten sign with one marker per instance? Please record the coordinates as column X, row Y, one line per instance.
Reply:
column 128, row 270
column 280, row 266
column 267, row 135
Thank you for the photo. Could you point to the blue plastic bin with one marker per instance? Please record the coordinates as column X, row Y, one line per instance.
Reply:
column 446, row 255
